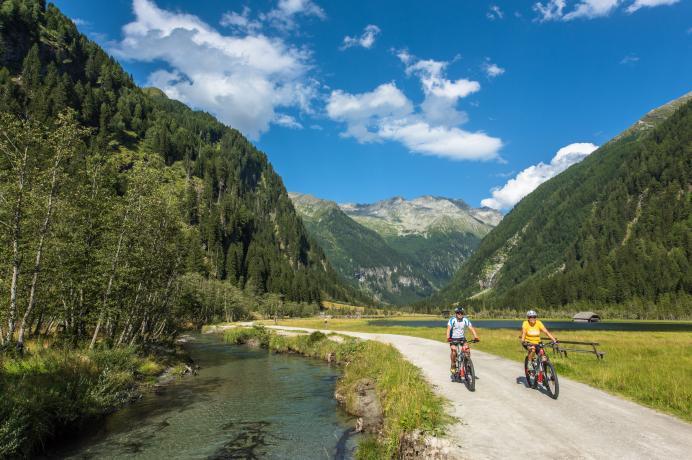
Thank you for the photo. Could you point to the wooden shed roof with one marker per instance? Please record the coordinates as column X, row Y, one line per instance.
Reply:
column 586, row 315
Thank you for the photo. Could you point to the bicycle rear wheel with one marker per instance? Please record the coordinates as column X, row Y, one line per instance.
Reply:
column 550, row 380
column 531, row 380
column 470, row 375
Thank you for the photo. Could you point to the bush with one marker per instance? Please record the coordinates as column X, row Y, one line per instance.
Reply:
column 316, row 337
column 50, row 391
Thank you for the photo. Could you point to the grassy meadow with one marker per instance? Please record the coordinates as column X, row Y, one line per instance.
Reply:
column 650, row 368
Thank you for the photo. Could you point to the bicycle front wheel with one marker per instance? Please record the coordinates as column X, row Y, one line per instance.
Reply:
column 550, row 380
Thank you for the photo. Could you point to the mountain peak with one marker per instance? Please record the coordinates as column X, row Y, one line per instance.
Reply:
column 398, row 216
column 654, row 117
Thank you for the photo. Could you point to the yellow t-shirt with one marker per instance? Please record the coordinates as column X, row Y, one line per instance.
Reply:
column 533, row 333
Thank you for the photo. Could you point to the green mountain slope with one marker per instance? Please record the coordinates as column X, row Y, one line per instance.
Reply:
column 152, row 192
column 614, row 231
column 399, row 250
column 360, row 254
column 435, row 234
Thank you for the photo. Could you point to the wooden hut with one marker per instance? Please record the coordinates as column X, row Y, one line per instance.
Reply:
column 586, row 317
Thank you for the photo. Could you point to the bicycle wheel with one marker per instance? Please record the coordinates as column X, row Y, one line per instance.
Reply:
column 550, row 380
column 531, row 380
column 470, row 375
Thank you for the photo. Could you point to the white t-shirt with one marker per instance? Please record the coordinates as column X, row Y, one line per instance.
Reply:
column 457, row 327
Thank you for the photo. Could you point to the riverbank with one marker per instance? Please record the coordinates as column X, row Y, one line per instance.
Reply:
column 410, row 410
column 651, row 368
column 54, row 392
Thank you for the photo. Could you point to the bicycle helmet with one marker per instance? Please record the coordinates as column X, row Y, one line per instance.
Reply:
column 459, row 310
column 531, row 313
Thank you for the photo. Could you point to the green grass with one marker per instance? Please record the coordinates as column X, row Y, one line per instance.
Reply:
column 650, row 368
column 52, row 391
column 408, row 401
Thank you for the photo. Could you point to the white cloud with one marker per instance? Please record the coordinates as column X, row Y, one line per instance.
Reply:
column 554, row 10
column 492, row 70
column 386, row 114
column 363, row 113
column 366, row 39
column 287, row 121
column 241, row 79
column 494, row 12
column 550, row 10
column 638, row 4
column 241, row 22
column 527, row 180
column 441, row 94
column 81, row 22
column 447, row 142
column 592, row 9
column 630, row 59
column 283, row 16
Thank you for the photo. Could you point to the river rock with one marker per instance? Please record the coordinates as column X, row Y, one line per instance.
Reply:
column 418, row 446
column 253, row 343
column 365, row 405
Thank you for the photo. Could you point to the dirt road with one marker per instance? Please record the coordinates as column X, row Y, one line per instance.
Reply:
column 503, row 419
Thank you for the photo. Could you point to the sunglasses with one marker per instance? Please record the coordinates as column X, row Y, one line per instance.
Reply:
column 532, row 317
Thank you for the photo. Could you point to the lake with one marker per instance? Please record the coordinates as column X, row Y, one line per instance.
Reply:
column 557, row 325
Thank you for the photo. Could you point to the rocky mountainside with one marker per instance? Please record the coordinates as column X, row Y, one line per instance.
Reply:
column 399, row 250
column 614, row 231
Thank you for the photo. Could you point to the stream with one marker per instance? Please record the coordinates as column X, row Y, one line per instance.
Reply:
column 245, row 403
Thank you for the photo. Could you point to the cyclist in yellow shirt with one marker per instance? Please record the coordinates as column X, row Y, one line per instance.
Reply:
column 531, row 333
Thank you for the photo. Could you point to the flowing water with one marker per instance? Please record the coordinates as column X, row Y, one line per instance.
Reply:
column 557, row 325
column 245, row 403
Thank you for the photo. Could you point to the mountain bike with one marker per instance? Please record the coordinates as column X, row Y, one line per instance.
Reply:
column 464, row 366
column 541, row 372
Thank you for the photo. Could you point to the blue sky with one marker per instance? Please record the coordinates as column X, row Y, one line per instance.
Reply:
column 362, row 101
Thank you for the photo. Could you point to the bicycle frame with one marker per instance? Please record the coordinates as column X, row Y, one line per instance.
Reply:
column 463, row 352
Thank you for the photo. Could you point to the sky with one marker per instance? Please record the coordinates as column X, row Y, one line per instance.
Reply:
column 362, row 101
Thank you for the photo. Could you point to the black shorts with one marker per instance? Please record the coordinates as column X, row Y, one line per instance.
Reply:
column 537, row 345
column 456, row 342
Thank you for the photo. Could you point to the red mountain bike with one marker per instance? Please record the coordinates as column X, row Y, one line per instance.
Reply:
column 464, row 366
column 541, row 372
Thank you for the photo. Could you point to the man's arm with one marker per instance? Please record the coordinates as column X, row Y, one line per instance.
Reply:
column 523, row 335
column 473, row 331
column 449, row 328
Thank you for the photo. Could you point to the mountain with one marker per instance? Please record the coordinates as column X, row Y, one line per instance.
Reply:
column 437, row 234
column 399, row 250
column 612, row 232
column 113, row 194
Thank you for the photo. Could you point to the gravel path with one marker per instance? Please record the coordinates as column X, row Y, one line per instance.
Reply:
column 503, row 419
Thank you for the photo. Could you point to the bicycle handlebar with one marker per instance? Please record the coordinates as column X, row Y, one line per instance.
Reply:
column 463, row 340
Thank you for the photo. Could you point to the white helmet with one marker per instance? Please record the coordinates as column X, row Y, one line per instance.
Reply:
column 531, row 313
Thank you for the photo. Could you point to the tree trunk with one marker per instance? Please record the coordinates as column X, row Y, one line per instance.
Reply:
column 16, row 259
column 39, row 252
column 114, row 265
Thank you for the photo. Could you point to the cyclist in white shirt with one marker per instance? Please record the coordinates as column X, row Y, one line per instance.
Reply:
column 455, row 333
